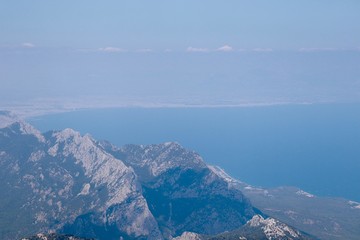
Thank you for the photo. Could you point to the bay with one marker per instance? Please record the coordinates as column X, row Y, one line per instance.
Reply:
column 315, row 147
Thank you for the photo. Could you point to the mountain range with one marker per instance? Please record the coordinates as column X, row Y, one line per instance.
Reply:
column 66, row 183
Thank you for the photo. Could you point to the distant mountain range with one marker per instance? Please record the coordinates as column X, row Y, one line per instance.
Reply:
column 63, row 182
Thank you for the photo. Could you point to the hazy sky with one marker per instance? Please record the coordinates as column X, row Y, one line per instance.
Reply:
column 200, row 52
column 279, row 24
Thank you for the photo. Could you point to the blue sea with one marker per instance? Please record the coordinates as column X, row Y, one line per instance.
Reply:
column 315, row 147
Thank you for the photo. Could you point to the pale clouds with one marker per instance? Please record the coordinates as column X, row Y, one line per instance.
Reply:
column 225, row 48
column 112, row 50
column 28, row 45
column 117, row 50
column 192, row 49
column 228, row 48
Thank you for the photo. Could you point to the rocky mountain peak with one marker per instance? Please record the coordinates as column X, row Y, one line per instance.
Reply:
column 156, row 159
column 101, row 167
column 70, row 183
column 10, row 120
column 189, row 236
column 272, row 228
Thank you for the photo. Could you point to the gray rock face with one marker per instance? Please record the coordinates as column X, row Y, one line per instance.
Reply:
column 260, row 228
column 272, row 228
column 189, row 236
column 182, row 192
column 51, row 181
column 64, row 182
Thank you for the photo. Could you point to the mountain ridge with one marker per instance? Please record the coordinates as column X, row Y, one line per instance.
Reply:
column 68, row 183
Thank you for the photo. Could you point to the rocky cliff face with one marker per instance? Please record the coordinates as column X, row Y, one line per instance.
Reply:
column 182, row 191
column 64, row 182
